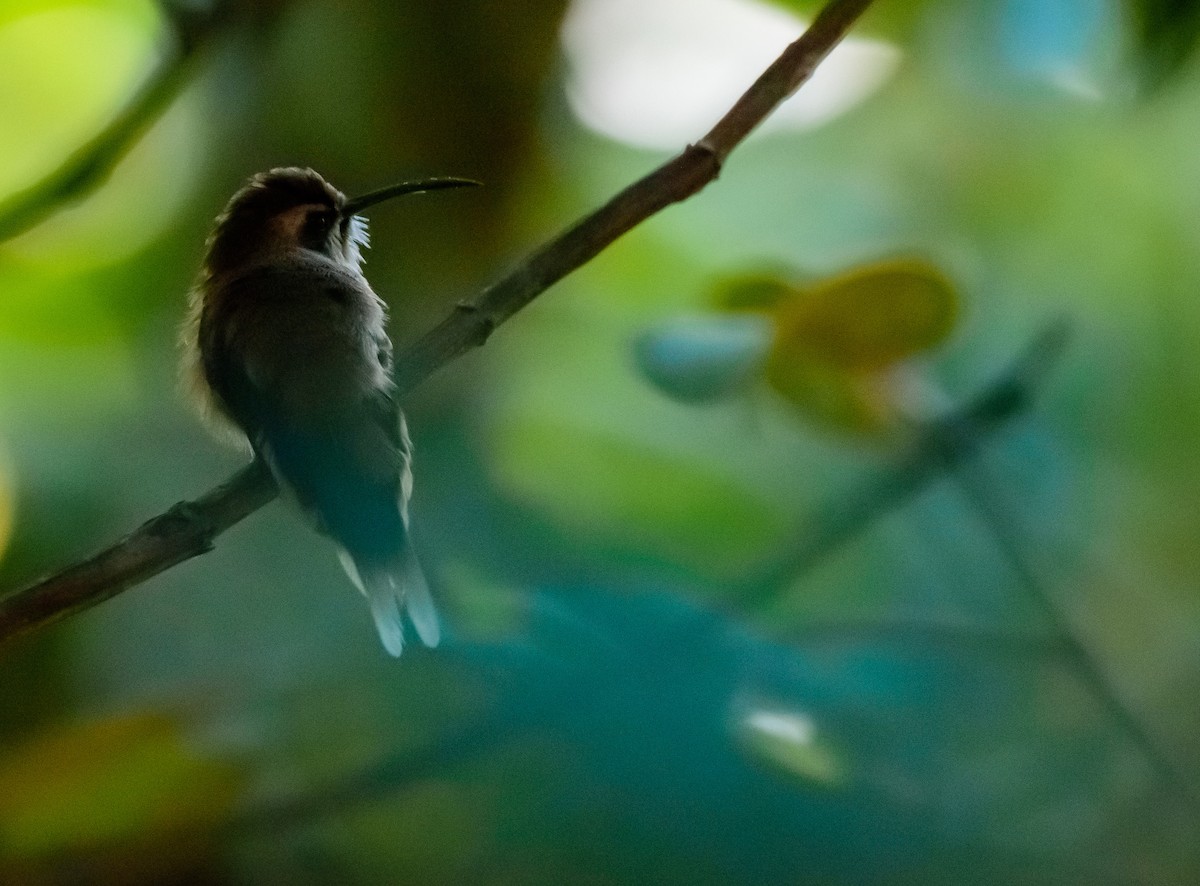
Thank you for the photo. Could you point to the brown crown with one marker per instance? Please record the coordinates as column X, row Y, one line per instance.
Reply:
column 239, row 228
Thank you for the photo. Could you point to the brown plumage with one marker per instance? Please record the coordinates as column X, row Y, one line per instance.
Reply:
column 286, row 346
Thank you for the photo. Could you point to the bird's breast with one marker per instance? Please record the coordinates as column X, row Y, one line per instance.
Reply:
column 306, row 334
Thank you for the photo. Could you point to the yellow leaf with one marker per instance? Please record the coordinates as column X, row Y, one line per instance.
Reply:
column 858, row 403
column 128, row 779
column 7, row 506
column 789, row 741
column 868, row 318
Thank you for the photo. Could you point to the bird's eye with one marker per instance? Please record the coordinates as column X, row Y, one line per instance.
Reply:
column 316, row 228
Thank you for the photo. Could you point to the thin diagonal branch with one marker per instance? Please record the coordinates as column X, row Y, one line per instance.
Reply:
column 183, row 532
column 1009, row 539
column 190, row 528
column 1001, row 401
column 473, row 321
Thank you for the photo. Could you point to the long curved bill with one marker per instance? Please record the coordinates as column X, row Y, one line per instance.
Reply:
column 358, row 204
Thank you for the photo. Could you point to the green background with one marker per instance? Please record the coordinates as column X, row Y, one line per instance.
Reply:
column 622, row 696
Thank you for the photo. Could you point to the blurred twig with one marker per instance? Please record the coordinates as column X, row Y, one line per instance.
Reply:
column 938, row 446
column 930, row 632
column 950, row 447
column 379, row 779
column 535, row 704
column 189, row 529
column 980, row 493
column 88, row 167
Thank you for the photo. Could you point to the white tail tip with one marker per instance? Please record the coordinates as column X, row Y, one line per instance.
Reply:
column 391, row 592
column 385, row 610
column 419, row 603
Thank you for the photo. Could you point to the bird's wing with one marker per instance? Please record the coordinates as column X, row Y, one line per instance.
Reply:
column 285, row 355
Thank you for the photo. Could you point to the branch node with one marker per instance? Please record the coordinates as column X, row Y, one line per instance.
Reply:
column 484, row 323
column 182, row 518
column 705, row 146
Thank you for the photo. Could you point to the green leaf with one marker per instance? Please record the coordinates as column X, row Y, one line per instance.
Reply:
column 753, row 291
column 7, row 502
column 77, row 64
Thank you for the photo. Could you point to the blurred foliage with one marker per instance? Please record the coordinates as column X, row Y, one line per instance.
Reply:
column 1163, row 33
column 831, row 348
column 704, row 358
column 124, row 793
column 787, row 740
column 1168, row 31
column 867, row 319
column 836, row 343
column 6, row 506
column 623, row 696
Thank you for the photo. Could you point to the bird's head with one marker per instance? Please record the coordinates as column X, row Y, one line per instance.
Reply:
column 291, row 208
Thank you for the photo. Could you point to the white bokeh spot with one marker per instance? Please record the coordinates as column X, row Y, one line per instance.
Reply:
column 659, row 73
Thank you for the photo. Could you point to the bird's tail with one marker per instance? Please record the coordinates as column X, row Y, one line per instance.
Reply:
column 393, row 588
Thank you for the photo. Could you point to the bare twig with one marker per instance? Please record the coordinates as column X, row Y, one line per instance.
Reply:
column 952, row 446
column 89, row 166
column 980, row 493
column 189, row 529
column 1004, row 399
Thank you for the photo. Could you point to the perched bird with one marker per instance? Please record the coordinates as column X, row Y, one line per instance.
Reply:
column 286, row 345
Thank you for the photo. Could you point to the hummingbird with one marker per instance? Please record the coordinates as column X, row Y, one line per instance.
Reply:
column 286, row 350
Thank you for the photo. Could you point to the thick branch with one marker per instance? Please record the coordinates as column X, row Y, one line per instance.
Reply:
column 189, row 528
column 183, row 532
